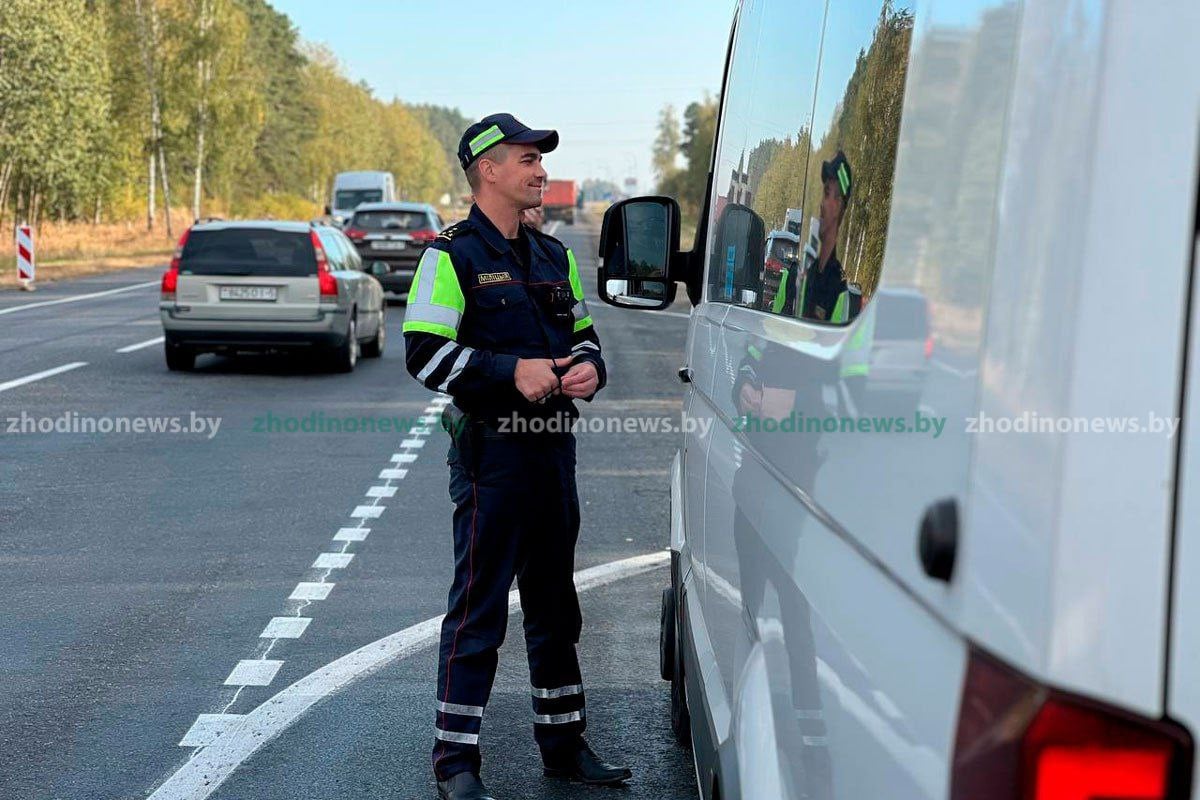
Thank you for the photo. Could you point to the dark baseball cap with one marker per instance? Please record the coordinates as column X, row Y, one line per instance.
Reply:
column 496, row 128
column 838, row 168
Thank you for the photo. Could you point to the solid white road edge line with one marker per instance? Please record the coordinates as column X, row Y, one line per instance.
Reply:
column 140, row 345
column 37, row 376
column 211, row 765
column 75, row 298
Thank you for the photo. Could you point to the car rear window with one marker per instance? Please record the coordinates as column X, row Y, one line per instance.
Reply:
column 391, row 220
column 350, row 198
column 249, row 251
column 902, row 318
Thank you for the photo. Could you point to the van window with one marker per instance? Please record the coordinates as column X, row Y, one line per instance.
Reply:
column 350, row 198
column 814, row 162
column 248, row 251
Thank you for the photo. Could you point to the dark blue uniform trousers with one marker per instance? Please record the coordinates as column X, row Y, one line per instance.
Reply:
column 516, row 515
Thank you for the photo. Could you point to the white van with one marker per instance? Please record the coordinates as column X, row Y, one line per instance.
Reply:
column 352, row 188
column 944, row 541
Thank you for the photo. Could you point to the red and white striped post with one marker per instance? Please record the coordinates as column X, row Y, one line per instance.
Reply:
column 25, row 261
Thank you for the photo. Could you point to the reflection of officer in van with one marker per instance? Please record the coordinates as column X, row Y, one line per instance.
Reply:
column 823, row 291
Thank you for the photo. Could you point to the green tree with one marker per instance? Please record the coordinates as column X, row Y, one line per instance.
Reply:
column 665, row 155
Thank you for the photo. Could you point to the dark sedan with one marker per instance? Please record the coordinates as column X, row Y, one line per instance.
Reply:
column 396, row 234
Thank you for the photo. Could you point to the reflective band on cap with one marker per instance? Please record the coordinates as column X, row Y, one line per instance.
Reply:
column 843, row 179
column 461, row 710
column 485, row 140
column 558, row 719
column 460, row 738
column 562, row 691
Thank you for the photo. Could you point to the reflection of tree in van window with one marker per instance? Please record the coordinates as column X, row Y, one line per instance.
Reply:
column 866, row 126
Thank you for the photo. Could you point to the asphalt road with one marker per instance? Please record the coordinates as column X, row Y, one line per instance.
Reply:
column 143, row 569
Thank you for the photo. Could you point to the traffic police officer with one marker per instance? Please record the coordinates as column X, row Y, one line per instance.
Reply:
column 497, row 319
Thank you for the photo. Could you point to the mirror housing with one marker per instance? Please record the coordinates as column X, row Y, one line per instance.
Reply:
column 640, row 260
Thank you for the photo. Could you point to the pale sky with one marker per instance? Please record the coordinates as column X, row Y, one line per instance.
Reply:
column 598, row 72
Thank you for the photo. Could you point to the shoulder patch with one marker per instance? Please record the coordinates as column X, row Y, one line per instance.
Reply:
column 457, row 229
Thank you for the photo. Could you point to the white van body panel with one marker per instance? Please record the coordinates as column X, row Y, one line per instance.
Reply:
column 1066, row 548
column 1042, row 204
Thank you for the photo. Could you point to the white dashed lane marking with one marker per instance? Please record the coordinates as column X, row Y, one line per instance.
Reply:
column 236, row 741
column 261, row 671
column 285, row 628
column 333, row 561
column 254, row 672
column 141, row 345
column 306, row 590
column 351, row 534
column 37, row 376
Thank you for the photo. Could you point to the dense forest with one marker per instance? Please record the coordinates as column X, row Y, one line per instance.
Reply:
column 115, row 109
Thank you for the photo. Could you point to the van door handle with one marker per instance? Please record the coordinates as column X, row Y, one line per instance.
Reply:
column 937, row 542
column 685, row 374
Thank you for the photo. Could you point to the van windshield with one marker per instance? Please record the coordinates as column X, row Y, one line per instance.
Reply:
column 249, row 251
column 350, row 198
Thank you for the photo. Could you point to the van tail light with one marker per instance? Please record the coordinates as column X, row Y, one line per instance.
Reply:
column 929, row 346
column 325, row 279
column 355, row 234
column 170, row 278
column 1020, row 741
column 424, row 236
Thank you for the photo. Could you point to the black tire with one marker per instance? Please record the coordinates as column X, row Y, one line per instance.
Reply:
column 373, row 347
column 179, row 358
column 671, row 667
column 345, row 356
column 666, row 635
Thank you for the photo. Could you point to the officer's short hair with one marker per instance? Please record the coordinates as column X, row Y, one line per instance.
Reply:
column 495, row 154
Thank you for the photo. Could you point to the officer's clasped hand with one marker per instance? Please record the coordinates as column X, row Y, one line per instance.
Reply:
column 580, row 381
column 536, row 379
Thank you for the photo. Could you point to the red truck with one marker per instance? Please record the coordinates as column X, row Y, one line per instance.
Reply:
column 558, row 201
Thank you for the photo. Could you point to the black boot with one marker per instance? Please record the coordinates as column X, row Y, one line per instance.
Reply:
column 585, row 766
column 463, row 786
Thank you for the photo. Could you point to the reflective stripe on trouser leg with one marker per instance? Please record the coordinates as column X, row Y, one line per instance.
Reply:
column 486, row 529
column 549, row 602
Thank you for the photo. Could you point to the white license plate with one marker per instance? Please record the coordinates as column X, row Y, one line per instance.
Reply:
column 389, row 245
column 268, row 294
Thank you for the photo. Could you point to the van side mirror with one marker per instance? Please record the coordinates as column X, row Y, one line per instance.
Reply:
column 639, row 248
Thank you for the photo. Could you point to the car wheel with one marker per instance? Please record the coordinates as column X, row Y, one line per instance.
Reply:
column 179, row 358
column 373, row 348
column 345, row 357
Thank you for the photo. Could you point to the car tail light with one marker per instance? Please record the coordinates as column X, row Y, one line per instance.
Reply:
column 325, row 279
column 355, row 234
column 1021, row 741
column 424, row 236
column 170, row 278
column 929, row 346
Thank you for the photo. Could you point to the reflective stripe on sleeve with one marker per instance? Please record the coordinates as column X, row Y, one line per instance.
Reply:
column 436, row 361
column 459, row 363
